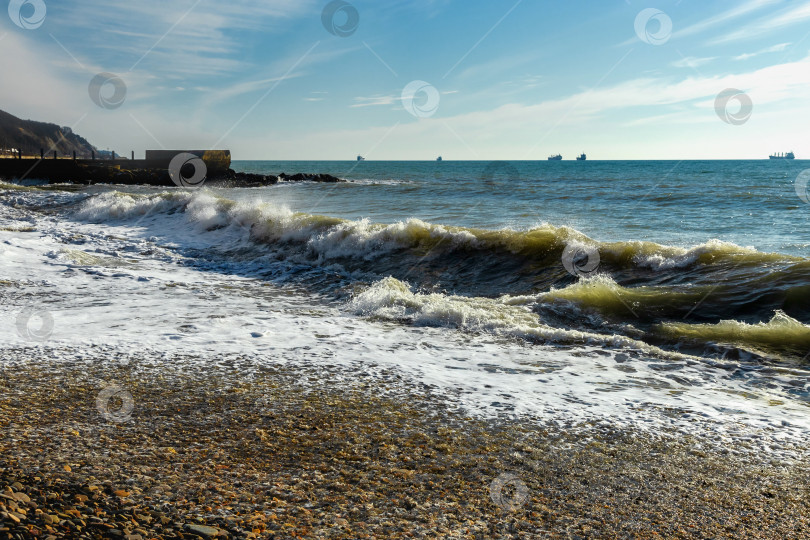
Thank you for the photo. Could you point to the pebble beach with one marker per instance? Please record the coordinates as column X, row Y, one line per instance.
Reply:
column 99, row 448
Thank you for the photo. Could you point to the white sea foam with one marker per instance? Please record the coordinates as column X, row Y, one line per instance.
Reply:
column 473, row 349
column 658, row 257
column 327, row 237
column 392, row 299
column 111, row 206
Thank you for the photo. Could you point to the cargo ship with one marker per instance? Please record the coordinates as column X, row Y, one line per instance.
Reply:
column 582, row 157
column 777, row 155
column 556, row 157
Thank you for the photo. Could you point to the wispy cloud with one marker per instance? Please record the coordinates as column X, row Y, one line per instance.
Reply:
column 246, row 87
column 375, row 101
column 724, row 17
column 646, row 101
column 395, row 8
column 714, row 21
column 766, row 25
column 776, row 48
column 496, row 66
column 316, row 96
column 638, row 97
column 182, row 37
column 692, row 62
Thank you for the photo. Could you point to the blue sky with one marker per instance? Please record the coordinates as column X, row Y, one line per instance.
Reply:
column 507, row 79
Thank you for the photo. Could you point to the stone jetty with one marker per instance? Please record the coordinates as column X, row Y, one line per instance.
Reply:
column 153, row 171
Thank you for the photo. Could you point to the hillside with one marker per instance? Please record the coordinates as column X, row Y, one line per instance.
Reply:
column 29, row 136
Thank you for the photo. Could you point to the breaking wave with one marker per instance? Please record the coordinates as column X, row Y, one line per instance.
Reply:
column 514, row 281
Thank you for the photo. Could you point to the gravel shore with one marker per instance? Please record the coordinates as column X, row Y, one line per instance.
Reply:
column 98, row 447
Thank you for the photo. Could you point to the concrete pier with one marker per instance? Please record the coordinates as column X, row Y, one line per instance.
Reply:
column 154, row 170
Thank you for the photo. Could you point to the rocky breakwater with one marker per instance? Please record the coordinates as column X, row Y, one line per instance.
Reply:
column 230, row 178
column 97, row 172
column 240, row 179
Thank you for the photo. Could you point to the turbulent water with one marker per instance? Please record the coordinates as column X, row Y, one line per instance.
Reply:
column 559, row 288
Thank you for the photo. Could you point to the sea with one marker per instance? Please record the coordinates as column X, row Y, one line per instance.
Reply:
column 648, row 295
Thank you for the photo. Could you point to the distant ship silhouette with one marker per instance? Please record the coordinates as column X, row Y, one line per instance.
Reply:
column 555, row 157
column 360, row 158
column 777, row 155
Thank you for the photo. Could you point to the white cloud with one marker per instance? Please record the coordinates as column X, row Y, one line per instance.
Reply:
column 375, row 101
column 34, row 91
column 692, row 62
column 184, row 37
column 317, row 95
column 766, row 25
column 280, row 66
column 712, row 22
column 245, row 87
column 724, row 17
column 488, row 70
column 776, row 48
column 663, row 117
column 48, row 85
column 58, row 93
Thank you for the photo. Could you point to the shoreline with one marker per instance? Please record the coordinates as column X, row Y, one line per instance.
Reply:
column 164, row 450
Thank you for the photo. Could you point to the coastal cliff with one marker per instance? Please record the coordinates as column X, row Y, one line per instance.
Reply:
column 28, row 136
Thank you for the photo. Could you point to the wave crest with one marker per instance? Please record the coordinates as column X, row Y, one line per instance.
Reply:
column 335, row 237
column 391, row 299
column 782, row 335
